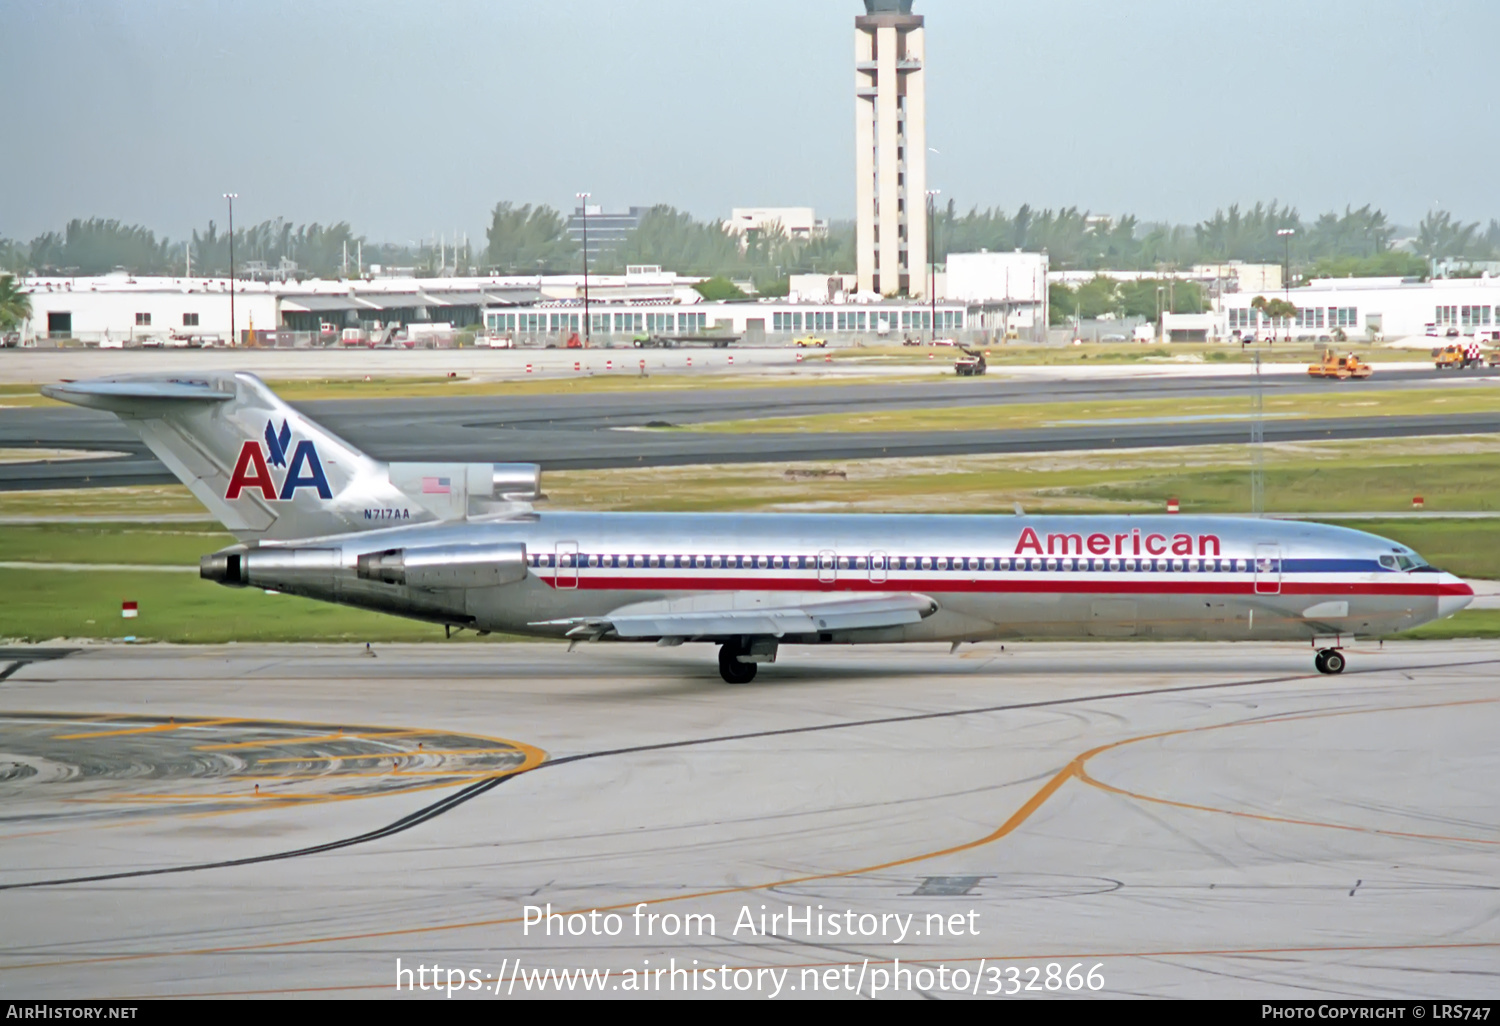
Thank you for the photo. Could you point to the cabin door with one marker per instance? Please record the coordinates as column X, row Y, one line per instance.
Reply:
column 567, row 565
column 1267, row 569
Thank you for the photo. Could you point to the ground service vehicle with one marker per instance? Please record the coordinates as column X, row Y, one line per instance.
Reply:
column 809, row 342
column 1457, row 357
column 1343, row 368
column 970, row 365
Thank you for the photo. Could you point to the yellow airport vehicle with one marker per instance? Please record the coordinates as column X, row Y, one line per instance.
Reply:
column 1458, row 357
column 809, row 342
column 1343, row 368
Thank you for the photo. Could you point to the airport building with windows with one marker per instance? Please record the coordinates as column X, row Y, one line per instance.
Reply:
column 1367, row 308
column 605, row 232
column 983, row 297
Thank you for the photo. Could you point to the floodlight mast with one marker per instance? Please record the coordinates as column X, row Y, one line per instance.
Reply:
column 583, row 199
column 231, row 197
column 932, row 195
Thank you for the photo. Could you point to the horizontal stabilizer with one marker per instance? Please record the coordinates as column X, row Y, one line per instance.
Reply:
column 123, row 393
column 812, row 617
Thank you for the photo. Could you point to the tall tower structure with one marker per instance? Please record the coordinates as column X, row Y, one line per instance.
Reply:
column 890, row 140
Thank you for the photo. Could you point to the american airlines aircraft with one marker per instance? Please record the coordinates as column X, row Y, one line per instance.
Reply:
column 462, row 546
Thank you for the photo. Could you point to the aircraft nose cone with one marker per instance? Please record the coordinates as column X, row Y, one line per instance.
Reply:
column 1453, row 595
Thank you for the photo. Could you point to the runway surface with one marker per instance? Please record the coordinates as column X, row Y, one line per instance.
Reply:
column 1182, row 820
column 583, row 431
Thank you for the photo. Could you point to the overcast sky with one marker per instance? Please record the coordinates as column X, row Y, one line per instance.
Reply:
column 410, row 118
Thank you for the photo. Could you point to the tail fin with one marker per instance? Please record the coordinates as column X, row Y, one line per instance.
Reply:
column 264, row 470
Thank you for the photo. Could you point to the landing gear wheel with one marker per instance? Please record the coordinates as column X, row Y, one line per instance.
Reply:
column 1330, row 661
column 731, row 669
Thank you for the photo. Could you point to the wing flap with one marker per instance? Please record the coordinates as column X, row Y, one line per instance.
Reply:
column 804, row 618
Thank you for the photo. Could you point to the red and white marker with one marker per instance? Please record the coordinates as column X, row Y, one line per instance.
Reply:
column 799, row 357
column 528, row 368
column 1172, row 506
column 129, row 610
column 577, row 365
column 731, row 361
column 609, row 365
column 828, row 358
column 690, row 361
column 1416, row 503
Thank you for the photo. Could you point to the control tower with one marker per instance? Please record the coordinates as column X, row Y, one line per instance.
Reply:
column 890, row 141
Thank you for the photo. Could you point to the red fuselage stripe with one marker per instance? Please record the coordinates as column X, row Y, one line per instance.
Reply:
column 599, row 582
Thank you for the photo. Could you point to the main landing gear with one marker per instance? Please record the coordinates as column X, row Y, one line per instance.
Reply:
column 731, row 669
column 1329, row 660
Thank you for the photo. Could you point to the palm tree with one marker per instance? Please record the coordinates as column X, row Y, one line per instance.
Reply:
column 15, row 305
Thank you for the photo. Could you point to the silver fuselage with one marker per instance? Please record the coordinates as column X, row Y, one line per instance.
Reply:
column 992, row 577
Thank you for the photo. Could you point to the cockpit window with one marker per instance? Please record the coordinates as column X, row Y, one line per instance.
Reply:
column 1408, row 561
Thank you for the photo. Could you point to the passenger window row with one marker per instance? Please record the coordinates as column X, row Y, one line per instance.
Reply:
column 945, row 564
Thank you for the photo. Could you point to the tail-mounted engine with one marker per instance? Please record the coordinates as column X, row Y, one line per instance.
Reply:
column 428, row 568
column 446, row 566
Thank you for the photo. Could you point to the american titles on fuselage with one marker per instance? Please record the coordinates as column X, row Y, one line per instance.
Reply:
column 1120, row 543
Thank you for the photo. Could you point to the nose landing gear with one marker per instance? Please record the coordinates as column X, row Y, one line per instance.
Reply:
column 1329, row 660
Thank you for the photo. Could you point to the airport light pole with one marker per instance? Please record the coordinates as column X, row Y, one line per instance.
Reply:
column 583, row 200
column 231, row 197
column 1286, row 268
column 1161, row 333
column 932, row 195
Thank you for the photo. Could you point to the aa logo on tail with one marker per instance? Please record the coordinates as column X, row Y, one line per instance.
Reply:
column 253, row 468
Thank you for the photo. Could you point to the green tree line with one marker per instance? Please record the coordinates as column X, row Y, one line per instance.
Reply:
column 528, row 239
column 99, row 246
column 1102, row 296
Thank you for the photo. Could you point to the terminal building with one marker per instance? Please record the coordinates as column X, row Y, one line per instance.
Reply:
column 605, row 232
column 121, row 310
column 118, row 310
column 1354, row 309
column 800, row 224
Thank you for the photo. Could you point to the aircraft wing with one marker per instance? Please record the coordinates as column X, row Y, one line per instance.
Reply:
column 808, row 617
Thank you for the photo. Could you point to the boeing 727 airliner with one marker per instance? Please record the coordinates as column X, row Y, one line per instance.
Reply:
column 461, row 545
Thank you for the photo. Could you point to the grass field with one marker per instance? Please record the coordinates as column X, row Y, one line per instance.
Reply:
column 1453, row 473
column 137, row 544
column 136, row 501
column 41, row 605
column 1013, row 354
column 1341, row 401
column 625, row 379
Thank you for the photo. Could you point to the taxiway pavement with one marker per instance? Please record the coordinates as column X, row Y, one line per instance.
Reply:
column 1192, row 820
column 598, row 430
